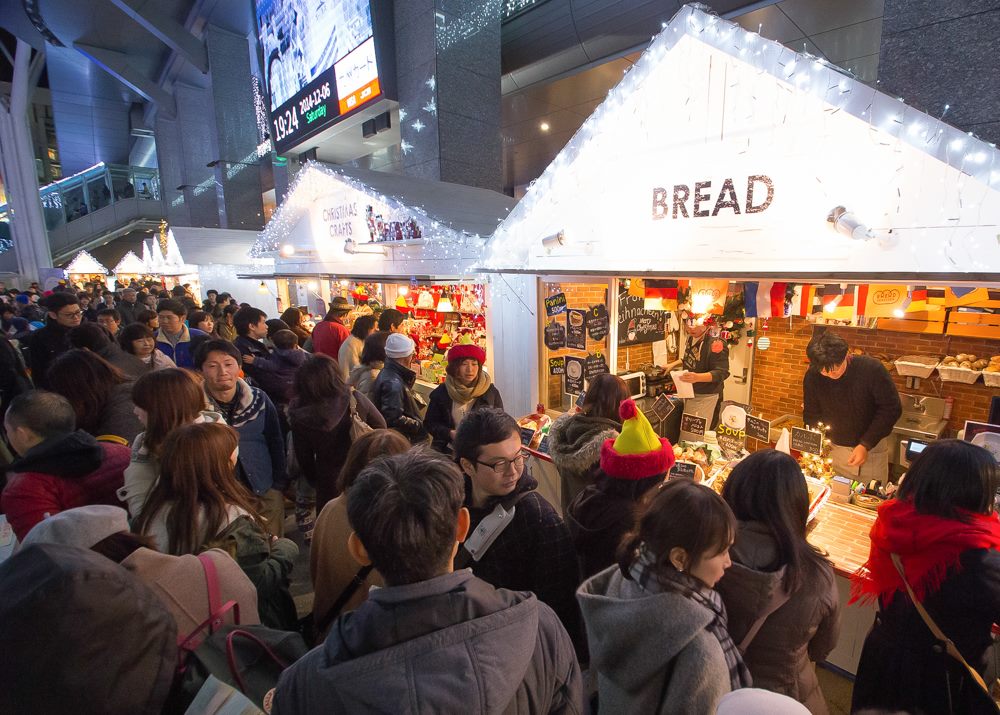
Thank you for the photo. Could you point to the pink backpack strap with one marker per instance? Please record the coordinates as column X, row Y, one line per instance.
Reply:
column 216, row 609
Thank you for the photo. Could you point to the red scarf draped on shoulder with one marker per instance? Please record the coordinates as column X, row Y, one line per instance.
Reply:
column 929, row 546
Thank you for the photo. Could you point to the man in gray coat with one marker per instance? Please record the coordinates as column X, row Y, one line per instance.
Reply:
column 433, row 639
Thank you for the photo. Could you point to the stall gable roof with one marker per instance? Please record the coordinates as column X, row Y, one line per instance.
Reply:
column 224, row 246
column 444, row 211
column 710, row 101
column 130, row 264
column 83, row 262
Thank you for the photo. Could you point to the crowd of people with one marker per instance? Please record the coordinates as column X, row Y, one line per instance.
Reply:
column 158, row 443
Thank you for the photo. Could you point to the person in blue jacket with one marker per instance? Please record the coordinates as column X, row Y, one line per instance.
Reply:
column 174, row 337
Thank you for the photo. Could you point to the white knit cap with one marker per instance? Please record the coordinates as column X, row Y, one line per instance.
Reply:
column 399, row 346
column 754, row 701
column 81, row 527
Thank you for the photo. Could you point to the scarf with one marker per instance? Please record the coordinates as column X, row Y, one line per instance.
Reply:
column 643, row 572
column 461, row 394
column 929, row 546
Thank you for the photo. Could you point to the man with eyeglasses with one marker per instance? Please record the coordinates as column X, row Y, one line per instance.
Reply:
column 516, row 539
column 51, row 341
column 854, row 396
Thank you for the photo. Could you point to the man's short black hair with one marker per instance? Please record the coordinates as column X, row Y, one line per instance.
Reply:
column 404, row 510
column 113, row 312
column 45, row 413
column 245, row 317
column 89, row 336
column 363, row 326
column 285, row 339
column 178, row 291
column 210, row 291
column 390, row 318
column 57, row 301
column 826, row 351
column 480, row 428
column 172, row 306
column 215, row 346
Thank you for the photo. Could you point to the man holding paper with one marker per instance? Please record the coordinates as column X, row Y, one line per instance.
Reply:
column 706, row 367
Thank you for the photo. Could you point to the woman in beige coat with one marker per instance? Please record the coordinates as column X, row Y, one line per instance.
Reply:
column 335, row 575
column 780, row 593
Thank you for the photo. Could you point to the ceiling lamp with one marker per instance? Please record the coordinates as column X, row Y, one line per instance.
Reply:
column 444, row 305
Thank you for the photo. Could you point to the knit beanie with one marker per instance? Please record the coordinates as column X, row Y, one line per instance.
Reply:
column 81, row 527
column 637, row 452
column 398, row 345
column 465, row 351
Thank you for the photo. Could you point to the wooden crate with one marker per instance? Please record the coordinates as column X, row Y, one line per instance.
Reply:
column 974, row 325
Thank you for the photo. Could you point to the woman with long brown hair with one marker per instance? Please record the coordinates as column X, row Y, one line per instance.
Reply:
column 780, row 594
column 100, row 393
column 292, row 317
column 197, row 495
column 164, row 400
column 198, row 504
column 333, row 569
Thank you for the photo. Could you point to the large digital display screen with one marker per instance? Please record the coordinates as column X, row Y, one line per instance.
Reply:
column 319, row 63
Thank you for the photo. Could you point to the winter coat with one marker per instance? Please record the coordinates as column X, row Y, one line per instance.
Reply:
column 799, row 631
column 451, row 644
column 144, row 470
column 638, row 638
column 349, row 355
column 118, row 418
column 14, row 378
column 439, row 420
column 276, row 373
column 133, row 367
column 575, row 447
column 62, row 473
column 159, row 530
column 321, row 437
column 363, row 378
column 328, row 336
column 183, row 352
column 534, row 553
column 394, row 399
column 128, row 311
column 44, row 346
column 331, row 565
column 601, row 515
column 268, row 564
column 180, row 583
column 261, row 460
column 226, row 332
column 81, row 634
column 899, row 667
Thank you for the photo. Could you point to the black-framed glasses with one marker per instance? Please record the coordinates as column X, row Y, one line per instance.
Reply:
column 500, row 468
column 74, row 314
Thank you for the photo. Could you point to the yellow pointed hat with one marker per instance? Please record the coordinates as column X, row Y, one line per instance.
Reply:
column 638, row 452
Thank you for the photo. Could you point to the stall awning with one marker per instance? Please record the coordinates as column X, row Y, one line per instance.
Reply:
column 724, row 153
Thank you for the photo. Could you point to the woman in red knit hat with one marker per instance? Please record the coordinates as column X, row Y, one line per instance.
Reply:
column 944, row 529
column 467, row 387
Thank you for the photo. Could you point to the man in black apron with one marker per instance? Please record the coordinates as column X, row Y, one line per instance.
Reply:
column 856, row 398
column 706, row 362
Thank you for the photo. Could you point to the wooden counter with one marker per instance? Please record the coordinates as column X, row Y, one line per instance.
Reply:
column 842, row 531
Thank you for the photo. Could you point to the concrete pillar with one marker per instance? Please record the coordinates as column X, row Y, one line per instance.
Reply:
column 448, row 79
column 938, row 53
column 17, row 162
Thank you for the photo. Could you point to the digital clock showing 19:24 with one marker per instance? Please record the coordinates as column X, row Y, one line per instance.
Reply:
column 286, row 123
column 307, row 109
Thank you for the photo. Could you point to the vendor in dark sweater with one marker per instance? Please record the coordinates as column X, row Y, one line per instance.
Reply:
column 855, row 397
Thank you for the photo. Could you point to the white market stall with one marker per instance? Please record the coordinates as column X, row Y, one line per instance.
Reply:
column 729, row 169
column 385, row 240
column 84, row 268
column 129, row 268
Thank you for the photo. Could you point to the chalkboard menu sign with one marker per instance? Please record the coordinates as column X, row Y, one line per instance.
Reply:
column 594, row 365
column 555, row 334
column 637, row 325
column 731, row 441
column 597, row 322
column 576, row 336
column 758, row 428
column 805, row 440
column 662, row 407
column 555, row 304
column 543, row 445
column 574, row 375
column 527, row 434
column 694, row 425
column 557, row 366
column 683, row 470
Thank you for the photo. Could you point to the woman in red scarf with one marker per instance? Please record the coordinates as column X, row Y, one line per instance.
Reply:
column 945, row 529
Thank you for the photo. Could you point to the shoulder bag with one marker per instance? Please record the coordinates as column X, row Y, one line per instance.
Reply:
column 939, row 634
column 358, row 426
